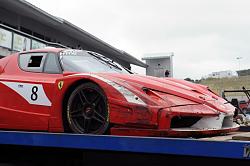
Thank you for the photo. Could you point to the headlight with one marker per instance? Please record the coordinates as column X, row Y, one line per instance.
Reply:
column 128, row 95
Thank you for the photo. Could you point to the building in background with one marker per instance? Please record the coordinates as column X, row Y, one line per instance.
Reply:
column 24, row 26
column 159, row 64
column 12, row 40
column 243, row 72
column 222, row 74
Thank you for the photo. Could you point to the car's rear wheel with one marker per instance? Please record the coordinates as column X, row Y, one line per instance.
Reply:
column 87, row 110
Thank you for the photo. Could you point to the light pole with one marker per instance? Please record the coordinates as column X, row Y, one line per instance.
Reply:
column 238, row 58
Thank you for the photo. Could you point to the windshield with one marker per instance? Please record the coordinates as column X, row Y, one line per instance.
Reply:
column 87, row 61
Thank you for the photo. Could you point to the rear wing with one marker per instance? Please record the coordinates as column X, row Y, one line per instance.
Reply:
column 244, row 90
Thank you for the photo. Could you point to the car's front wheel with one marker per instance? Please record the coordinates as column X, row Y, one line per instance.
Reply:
column 87, row 110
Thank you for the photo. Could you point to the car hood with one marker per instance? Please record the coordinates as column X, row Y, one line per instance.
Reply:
column 171, row 90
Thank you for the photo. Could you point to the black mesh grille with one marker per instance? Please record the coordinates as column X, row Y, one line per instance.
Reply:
column 228, row 121
column 183, row 121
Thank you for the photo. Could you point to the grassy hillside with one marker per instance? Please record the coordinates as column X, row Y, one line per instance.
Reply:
column 219, row 84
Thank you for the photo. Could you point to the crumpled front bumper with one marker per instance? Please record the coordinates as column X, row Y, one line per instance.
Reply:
column 208, row 124
column 181, row 132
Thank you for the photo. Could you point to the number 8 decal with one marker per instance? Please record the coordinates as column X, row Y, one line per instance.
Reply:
column 34, row 93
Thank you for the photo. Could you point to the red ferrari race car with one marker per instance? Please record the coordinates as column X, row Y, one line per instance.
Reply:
column 65, row 90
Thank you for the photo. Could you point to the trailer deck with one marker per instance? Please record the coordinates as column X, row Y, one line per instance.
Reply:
column 234, row 146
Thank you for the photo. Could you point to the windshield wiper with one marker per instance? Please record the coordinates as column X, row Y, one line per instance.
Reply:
column 129, row 71
column 104, row 59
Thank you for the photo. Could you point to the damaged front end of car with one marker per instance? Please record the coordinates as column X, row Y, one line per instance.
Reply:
column 181, row 117
column 168, row 108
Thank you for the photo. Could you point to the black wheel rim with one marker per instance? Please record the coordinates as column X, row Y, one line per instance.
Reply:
column 88, row 111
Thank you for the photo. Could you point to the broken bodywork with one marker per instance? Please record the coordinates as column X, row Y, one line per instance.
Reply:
column 172, row 108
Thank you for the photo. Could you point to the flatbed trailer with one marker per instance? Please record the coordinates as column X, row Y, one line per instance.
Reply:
column 78, row 149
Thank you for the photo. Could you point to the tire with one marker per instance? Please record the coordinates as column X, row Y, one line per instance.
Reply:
column 87, row 110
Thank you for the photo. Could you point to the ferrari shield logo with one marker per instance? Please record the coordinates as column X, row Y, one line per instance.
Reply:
column 60, row 85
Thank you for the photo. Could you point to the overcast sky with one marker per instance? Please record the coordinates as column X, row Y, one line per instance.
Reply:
column 205, row 35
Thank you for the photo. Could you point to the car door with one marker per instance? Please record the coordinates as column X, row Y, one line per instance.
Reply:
column 28, row 94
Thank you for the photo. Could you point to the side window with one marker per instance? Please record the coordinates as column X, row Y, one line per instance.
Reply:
column 35, row 61
column 51, row 64
column 32, row 62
